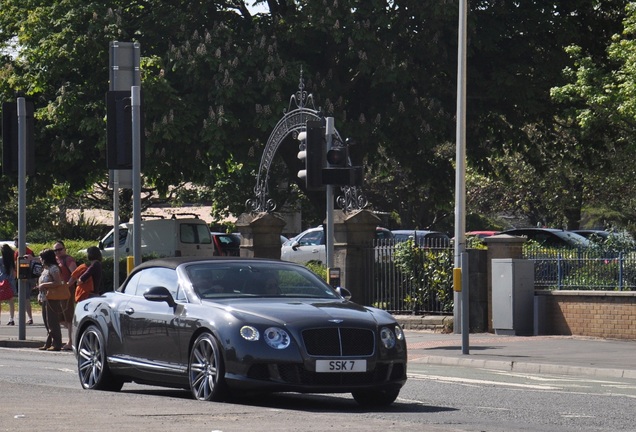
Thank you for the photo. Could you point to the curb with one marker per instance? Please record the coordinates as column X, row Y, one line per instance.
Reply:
column 436, row 323
column 524, row 367
column 16, row 343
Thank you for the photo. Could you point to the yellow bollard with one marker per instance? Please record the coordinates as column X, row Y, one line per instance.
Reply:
column 130, row 264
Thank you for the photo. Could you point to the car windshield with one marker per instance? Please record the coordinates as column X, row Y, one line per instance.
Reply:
column 222, row 280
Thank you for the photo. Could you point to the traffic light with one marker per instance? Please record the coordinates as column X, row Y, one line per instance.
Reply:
column 337, row 156
column 119, row 131
column 339, row 171
column 312, row 153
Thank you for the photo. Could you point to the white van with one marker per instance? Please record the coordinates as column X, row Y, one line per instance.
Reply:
column 164, row 238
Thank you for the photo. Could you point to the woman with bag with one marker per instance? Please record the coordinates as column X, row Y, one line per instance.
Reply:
column 57, row 294
column 7, row 285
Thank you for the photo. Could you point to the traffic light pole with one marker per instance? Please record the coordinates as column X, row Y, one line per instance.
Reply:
column 135, row 94
column 22, row 283
column 124, row 73
column 329, row 130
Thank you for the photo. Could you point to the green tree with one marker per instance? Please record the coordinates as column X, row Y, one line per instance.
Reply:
column 599, row 101
column 529, row 161
column 216, row 80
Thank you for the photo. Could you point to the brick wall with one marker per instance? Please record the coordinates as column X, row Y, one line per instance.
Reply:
column 604, row 314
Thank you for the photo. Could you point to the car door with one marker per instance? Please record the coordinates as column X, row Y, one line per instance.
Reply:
column 150, row 329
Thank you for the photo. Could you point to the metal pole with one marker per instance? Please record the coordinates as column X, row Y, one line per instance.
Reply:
column 460, row 169
column 115, row 228
column 329, row 239
column 22, row 283
column 465, row 303
column 135, row 92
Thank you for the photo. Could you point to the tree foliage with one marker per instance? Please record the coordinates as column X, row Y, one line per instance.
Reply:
column 598, row 102
column 216, row 79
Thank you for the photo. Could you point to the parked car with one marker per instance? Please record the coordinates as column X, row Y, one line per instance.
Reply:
column 550, row 237
column 423, row 238
column 283, row 239
column 481, row 234
column 222, row 326
column 601, row 235
column 613, row 241
column 226, row 244
column 309, row 245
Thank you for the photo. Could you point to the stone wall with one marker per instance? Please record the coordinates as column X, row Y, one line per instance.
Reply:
column 604, row 314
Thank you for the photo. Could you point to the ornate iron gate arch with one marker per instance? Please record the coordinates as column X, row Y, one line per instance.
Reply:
column 301, row 108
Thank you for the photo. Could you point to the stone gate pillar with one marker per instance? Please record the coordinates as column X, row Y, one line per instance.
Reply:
column 353, row 233
column 260, row 234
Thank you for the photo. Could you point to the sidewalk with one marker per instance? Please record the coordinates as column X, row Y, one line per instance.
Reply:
column 568, row 355
column 563, row 355
column 35, row 334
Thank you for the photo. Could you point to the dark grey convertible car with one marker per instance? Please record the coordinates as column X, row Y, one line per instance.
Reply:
column 226, row 326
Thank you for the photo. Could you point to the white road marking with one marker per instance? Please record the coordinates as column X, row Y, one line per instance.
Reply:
column 481, row 382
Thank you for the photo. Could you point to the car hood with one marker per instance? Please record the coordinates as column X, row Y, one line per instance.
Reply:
column 296, row 312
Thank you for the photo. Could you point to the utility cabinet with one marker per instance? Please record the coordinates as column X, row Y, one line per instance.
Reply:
column 512, row 296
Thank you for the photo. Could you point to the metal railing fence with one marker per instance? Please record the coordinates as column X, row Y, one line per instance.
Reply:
column 424, row 290
column 583, row 269
column 427, row 289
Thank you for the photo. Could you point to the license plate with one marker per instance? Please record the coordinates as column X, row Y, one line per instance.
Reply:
column 341, row 366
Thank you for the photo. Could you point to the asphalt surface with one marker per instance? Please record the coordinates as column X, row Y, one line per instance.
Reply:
column 568, row 355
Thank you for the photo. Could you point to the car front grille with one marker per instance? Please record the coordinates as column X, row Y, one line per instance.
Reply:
column 339, row 342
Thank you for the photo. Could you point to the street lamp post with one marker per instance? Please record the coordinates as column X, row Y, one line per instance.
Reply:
column 460, row 315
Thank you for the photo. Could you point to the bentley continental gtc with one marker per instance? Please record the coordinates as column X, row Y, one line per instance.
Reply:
column 224, row 327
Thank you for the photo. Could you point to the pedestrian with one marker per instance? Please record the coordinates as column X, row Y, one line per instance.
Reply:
column 88, row 277
column 67, row 265
column 56, row 292
column 30, row 283
column 8, row 274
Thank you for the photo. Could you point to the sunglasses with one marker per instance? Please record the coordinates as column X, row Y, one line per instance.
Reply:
column 58, row 249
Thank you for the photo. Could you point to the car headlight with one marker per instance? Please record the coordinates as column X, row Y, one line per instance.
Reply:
column 250, row 333
column 399, row 334
column 277, row 338
column 388, row 337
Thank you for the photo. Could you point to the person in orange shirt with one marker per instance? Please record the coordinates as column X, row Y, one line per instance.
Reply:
column 88, row 277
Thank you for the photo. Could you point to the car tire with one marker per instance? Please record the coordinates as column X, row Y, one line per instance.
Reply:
column 92, row 366
column 375, row 398
column 206, row 371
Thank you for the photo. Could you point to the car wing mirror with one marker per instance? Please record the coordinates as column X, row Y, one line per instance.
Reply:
column 295, row 245
column 344, row 293
column 160, row 294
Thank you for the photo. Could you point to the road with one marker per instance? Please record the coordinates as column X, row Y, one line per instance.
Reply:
column 40, row 391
